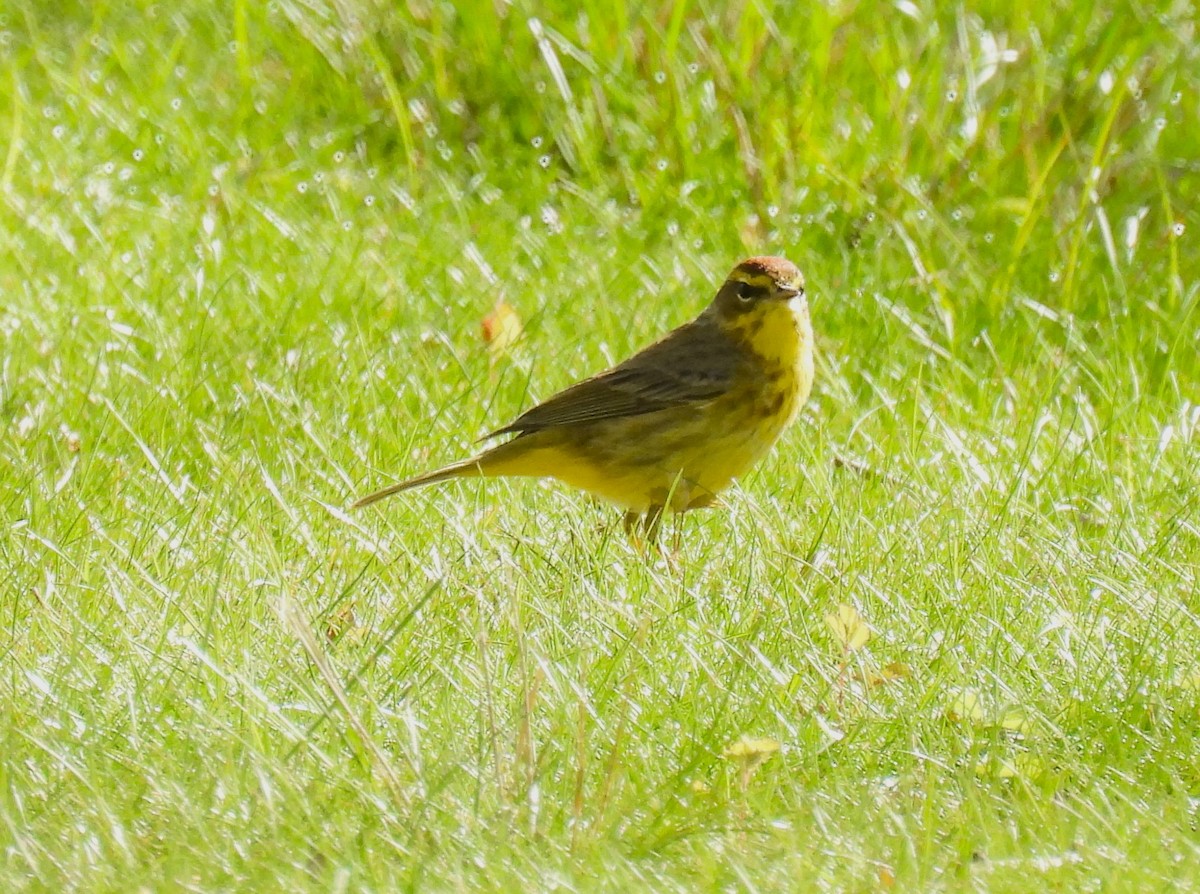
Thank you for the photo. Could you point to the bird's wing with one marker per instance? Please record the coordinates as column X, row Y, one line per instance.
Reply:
column 693, row 364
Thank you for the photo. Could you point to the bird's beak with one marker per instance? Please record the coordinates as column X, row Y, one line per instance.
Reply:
column 787, row 293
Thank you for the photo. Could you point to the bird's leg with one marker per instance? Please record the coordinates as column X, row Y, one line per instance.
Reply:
column 652, row 523
column 677, row 534
column 643, row 530
column 629, row 521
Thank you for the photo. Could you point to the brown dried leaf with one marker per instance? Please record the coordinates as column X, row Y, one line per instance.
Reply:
column 889, row 673
column 341, row 622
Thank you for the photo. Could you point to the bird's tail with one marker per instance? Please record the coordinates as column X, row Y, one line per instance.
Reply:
column 467, row 468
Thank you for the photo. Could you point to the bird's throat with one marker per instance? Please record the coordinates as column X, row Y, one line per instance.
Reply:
column 778, row 332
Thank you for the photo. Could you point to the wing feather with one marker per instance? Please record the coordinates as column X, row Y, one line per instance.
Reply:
column 693, row 364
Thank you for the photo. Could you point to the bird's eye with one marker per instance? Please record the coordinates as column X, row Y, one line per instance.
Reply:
column 745, row 293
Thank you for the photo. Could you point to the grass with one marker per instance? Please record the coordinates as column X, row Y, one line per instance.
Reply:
column 245, row 251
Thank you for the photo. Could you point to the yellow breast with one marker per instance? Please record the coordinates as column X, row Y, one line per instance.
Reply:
column 779, row 336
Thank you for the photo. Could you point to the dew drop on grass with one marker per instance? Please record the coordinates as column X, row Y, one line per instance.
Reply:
column 369, row 200
column 536, row 142
column 1160, row 123
column 551, row 219
column 301, row 187
column 693, row 68
column 1178, row 229
column 903, row 78
column 660, row 77
column 951, row 95
column 1176, row 97
column 138, row 154
column 58, row 131
column 402, row 195
column 339, row 157
column 176, row 104
column 1053, row 276
column 319, row 177
column 661, row 164
column 544, row 161
column 346, row 225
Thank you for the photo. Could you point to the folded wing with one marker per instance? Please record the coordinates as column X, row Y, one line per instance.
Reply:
column 663, row 375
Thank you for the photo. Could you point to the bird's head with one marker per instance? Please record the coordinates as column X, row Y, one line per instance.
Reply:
column 758, row 286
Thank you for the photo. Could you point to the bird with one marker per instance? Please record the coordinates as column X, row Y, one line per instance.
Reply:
column 676, row 423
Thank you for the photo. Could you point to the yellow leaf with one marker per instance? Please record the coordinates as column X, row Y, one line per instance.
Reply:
column 896, row 670
column 500, row 329
column 1016, row 719
column 750, row 754
column 966, row 707
column 889, row 673
column 747, row 750
column 849, row 627
column 990, row 768
column 1029, row 767
column 1189, row 680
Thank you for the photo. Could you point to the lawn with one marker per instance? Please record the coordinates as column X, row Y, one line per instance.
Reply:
column 947, row 637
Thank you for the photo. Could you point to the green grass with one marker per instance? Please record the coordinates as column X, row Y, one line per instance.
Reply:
column 245, row 250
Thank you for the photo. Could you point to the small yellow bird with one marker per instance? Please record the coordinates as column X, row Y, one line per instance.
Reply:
column 674, row 424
